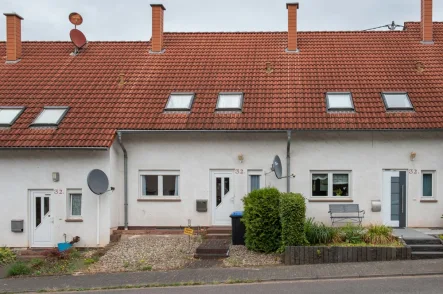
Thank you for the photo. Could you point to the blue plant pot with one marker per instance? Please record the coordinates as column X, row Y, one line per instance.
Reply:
column 63, row 246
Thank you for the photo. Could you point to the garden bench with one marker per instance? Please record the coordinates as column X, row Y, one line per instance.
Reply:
column 341, row 213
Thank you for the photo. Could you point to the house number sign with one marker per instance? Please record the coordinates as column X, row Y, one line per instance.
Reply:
column 239, row 171
column 413, row 172
column 58, row 191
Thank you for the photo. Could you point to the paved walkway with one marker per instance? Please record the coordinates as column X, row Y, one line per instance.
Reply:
column 408, row 234
column 210, row 275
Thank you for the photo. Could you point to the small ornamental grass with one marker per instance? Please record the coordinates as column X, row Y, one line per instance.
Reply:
column 318, row 233
column 18, row 269
column 379, row 235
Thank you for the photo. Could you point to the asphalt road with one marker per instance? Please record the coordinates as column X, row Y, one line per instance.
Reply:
column 420, row 284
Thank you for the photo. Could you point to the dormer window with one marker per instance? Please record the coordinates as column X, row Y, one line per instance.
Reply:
column 397, row 101
column 339, row 101
column 180, row 101
column 8, row 115
column 230, row 101
column 50, row 116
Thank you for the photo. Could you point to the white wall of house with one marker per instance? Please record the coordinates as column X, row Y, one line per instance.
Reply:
column 364, row 154
column 26, row 170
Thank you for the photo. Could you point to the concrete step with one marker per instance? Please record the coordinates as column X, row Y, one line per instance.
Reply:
column 210, row 251
column 218, row 237
column 426, row 241
column 210, row 256
column 213, row 249
column 219, row 230
column 427, row 247
column 427, row 255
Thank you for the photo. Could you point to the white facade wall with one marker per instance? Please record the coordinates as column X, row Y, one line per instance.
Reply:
column 365, row 154
column 24, row 170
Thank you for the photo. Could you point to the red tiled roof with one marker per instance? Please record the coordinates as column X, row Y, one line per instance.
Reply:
column 291, row 97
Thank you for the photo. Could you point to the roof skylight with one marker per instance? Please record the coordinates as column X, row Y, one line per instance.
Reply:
column 8, row 115
column 337, row 101
column 180, row 101
column 230, row 101
column 397, row 101
column 50, row 116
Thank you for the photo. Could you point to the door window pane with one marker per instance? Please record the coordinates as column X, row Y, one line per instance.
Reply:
column 395, row 198
column 340, row 186
column 46, row 206
column 38, row 211
column 76, row 204
column 319, row 184
column 427, row 185
column 226, row 185
column 218, row 188
column 170, row 185
column 150, row 185
column 255, row 182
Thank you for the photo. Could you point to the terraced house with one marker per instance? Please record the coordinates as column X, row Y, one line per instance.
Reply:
column 186, row 124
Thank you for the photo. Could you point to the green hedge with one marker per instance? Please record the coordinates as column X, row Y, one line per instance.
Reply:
column 262, row 220
column 292, row 217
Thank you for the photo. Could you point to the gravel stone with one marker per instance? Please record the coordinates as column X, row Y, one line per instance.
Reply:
column 239, row 256
column 148, row 252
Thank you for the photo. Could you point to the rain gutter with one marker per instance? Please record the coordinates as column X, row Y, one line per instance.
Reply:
column 125, row 156
column 288, row 163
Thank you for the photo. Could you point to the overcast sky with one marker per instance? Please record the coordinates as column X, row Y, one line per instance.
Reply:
column 131, row 19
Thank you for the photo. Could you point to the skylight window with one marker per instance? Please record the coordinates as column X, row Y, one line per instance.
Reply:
column 397, row 101
column 8, row 115
column 50, row 116
column 180, row 101
column 339, row 101
column 230, row 101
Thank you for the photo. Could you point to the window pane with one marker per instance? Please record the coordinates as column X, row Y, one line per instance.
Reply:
column 339, row 101
column 8, row 115
column 46, row 206
column 179, row 102
column 340, row 185
column 227, row 180
column 150, row 185
column 427, row 185
column 170, row 185
column 76, row 204
column 218, row 188
column 319, row 184
column 50, row 116
column 229, row 101
column 38, row 211
column 255, row 182
column 398, row 101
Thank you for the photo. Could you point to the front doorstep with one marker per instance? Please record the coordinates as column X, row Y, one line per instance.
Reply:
column 295, row 255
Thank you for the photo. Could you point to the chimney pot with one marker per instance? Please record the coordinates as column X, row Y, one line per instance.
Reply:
column 292, row 27
column 157, row 28
column 426, row 22
column 13, row 37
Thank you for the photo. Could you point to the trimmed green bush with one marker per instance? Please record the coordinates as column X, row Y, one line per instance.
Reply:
column 262, row 220
column 292, row 217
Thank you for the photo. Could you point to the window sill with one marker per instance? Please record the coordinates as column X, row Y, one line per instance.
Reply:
column 330, row 200
column 74, row 220
column 159, row 200
column 428, row 200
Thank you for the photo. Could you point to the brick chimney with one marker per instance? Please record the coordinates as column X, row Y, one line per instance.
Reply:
column 157, row 28
column 426, row 22
column 13, row 37
column 292, row 27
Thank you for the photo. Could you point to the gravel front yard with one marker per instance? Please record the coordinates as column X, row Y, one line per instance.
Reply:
column 239, row 256
column 147, row 252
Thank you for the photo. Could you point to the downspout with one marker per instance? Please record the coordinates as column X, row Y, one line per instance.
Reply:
column 288, row 163
column 125, row 171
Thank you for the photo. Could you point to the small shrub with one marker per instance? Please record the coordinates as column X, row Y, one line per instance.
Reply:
column 262, row 220
column 58, row 255
column 292, row 217
column 7, row 256
column 379, row 235
column 146, row 268
column 36, row 263
column 18, row 269
column 351, row 234
column 89, row 261
column 318, row 233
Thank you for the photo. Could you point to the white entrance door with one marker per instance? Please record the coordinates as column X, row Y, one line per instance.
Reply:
column 223, row 197
column 42, row 221
column 394, row 198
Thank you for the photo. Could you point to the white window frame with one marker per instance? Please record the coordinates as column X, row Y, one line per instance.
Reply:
column 69, row 194
column 188, row 108
column 255, row 172
column 330, row 183
column 159, row 174
column 240, row 108
column 434, row 184
column 66, row 108
column 385, row 101
column 20, row 108
column 335, row 109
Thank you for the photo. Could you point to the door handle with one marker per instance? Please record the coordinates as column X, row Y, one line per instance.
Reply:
column 402, row 199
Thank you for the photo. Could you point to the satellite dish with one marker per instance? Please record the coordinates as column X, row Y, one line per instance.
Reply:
column 78, row 38
column 98, row 182
column 75, row 18
column 276, row 167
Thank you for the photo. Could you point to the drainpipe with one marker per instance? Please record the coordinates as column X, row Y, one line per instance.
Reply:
column 288, row 163
column 125, row 155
